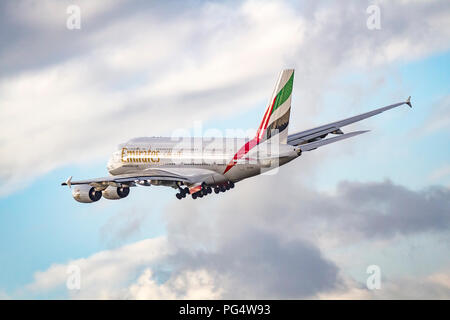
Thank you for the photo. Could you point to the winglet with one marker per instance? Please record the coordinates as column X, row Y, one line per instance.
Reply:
column 68, row 182
column 408, row 102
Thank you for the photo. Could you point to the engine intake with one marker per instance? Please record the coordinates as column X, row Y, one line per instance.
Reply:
column 86, row 194
column 114, row 193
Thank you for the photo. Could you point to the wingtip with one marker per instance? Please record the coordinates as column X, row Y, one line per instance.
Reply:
column 68, row 182
column 408, row 102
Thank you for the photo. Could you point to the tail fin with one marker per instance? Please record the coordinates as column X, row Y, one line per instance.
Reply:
column 276, row 117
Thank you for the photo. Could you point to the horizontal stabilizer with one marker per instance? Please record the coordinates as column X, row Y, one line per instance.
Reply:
column 319, row 143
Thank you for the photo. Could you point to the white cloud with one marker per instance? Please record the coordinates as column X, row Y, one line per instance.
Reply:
column 440, row 173
column 105, row 274
column 192, row 285
column 434, row 286
column 126, row 273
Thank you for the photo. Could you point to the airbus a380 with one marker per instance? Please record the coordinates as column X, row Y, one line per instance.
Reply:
column 199, row 166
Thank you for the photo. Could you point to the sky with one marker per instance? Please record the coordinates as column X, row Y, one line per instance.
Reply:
column 69, row 96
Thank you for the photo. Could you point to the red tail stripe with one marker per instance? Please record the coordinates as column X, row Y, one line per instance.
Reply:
column 254, row 142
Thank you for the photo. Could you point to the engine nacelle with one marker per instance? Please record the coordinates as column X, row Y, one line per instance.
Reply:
column 86, row 194
column 115, row 193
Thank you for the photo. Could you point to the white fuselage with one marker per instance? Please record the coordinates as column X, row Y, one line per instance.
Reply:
column 187, row 154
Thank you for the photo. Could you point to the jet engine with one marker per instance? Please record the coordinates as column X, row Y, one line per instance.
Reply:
column 86, row 194
column 115, row 193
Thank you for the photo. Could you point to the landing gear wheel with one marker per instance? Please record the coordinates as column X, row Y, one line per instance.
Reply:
column 209, row 189
column 223, row 189
column 194, row 196
column 231, row 184
column 216, row 189
column 204, row 192
column 179, row 196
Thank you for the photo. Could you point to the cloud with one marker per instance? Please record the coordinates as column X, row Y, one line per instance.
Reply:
column 257, row 264
column 277, row 243
column 439, row 119
column 105, row 274
column 76, row 94
column 155, row 269
column 440, row 173
column 34, row 34
column 287, row 205
column 381, row 210
column 4, row 295
column 187, row 285
column 434, row 286
column 122, row 226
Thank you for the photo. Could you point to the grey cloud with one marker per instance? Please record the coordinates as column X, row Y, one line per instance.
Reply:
column 257, row 264
column 385, row 209
column 33, row 34
column 379, row 210
column 264, row 241
column 122, row 226
column 287, row 206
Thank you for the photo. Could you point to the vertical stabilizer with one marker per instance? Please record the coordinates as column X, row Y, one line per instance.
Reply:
column 276, row 117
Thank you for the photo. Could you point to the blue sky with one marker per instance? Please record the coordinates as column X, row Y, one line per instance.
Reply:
column 42, row 227
column 416, row 152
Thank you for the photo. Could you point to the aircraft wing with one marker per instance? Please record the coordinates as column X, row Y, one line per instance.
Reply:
column 321, row 132
column 190, row 176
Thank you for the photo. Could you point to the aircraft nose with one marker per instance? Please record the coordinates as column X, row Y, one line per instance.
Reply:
column 110, row 164
column 114, row 162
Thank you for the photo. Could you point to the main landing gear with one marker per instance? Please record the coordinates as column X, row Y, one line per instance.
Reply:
column 183, row 192
column 205, row 190
column 224, row 187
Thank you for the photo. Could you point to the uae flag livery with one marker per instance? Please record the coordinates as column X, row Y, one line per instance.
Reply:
column 276, row 117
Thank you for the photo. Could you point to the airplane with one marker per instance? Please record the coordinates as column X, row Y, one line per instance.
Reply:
column 198, row 166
